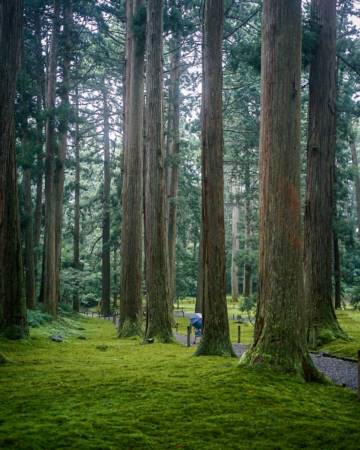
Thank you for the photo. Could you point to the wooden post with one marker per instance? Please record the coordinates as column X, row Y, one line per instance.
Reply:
column 183, row 312
column 238, row 334
column 359, row 375
column 176, row 326
column 188, row 335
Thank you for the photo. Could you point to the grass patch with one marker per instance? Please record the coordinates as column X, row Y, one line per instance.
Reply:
column 350, row 323
column 110, row 393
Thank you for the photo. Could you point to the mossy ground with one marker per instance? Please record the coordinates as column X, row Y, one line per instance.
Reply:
column 110, row 393
column 350, row 323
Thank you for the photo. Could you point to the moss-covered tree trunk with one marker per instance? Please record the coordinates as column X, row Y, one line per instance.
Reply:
column 216, row 337
column 279, row 337
column 156, row 243
column 12, row 299
column 132, row 191
column 318, row 234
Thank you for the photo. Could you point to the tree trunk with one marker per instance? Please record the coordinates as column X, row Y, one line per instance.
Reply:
column 29, row 267
column 59, row 177
column 105, row 254
column 156, row 244
column 132, row 191
column 76, row 263
column 235, row 249
column 40, row 105
column 247, row 288
column 355, row 166
column 318, row 241
column 279, row 337
column 174, row 147
column 48, row 294
column 337, row 272
column 216, row 337
column 12, row 299
column 200, row 279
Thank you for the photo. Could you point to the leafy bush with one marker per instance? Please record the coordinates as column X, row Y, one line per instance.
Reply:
column 35, row 318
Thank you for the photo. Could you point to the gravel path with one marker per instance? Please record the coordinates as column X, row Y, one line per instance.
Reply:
column 341, row 372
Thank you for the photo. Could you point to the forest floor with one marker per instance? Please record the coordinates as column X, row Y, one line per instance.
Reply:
column 95, row 391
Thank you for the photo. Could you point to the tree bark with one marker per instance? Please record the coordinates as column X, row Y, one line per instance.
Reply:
column 156, row 243
column 12, row 299
column 247, row 288
column 29, row 266
column 337, row 272
column 76, row 262
column 279, row 337
column 174, row 148
column 318, row 234
column 216, row 337
column 200, row 279
column 48, row 295
column 235, row 249
column 355, row 166
column 59, row 176
column 105, row 254
column 132, row 191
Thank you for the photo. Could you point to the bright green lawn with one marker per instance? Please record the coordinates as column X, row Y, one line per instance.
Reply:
column 125, row 395
column 350, row 322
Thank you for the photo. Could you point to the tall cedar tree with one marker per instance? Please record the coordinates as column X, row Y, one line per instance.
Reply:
column 318, row 238
column 216, row 338
column 49, row 295
column 12, row 299
column 132, row 192
column 105, row 252
column 173, row 151
column 61, row 153
column 279, row 337
column 156, row 243
column 356, row 175
column 235, row 247
column 76, row 261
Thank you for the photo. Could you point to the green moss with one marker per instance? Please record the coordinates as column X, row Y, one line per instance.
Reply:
column 130, row 329
column 349, row 346
column 135, row 396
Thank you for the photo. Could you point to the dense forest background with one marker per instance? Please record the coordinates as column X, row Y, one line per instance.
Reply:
column 87, row 113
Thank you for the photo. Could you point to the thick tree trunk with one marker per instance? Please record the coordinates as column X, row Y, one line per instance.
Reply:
column 59, row 177
column 156, row 245
column 200, row 279
column 105, row 254
column 76, row 262
column 235, row 249
column 132, row 191
column 40, row 105
column 247, row 288
column 216, row 337
column 337, row 272
column 174, row 148
column 29, row 266
column 318, row 239
column 356, row 175
column 279, row 338
column 12, row 299
column 48, row 294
